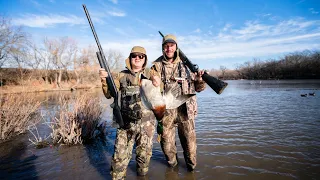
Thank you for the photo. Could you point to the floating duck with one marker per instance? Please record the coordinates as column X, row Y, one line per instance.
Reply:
column 304, row 95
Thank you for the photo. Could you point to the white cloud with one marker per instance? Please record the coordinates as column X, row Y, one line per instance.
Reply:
column 265, row 15
column 301, row 1
column 117, row 13
column 198, row 30
column 35, row 3
column 114, row 1
column 256, row 39
column 253, row 39
column 313, row 11
column 44, row 21
column 226, row 27
column 122, row 32
column 147, row 24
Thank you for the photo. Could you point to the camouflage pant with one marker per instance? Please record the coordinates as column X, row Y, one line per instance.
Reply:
column 187, row 136
column 142, row 135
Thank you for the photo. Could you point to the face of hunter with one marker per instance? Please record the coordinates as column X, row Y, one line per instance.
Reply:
column 169, row 49
column 137, row 60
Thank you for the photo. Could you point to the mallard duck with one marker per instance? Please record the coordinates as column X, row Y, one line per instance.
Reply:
column 152, row 98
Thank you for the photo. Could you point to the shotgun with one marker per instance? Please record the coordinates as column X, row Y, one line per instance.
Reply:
column 103, row 64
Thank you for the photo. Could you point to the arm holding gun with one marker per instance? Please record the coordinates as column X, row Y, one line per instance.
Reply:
column 103, row 76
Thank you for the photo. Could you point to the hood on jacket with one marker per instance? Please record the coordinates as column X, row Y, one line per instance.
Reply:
column 137, row 49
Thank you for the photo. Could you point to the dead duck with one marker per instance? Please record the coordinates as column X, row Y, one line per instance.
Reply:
column 304, row 95
column 152, row 99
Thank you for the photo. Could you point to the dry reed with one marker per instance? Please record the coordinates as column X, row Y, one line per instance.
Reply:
column 38, row 141
column 17, row 112
column 77, row 119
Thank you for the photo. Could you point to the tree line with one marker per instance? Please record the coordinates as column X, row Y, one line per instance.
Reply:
column 52, row 61
column 297, row 65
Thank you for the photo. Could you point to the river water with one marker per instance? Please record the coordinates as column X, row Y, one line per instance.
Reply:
column 253, row 130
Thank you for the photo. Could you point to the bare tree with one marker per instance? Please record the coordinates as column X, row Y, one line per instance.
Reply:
column 20, row 59
column 115, row 60
column 223, row 70
column 61, row 51
column 86, row 66
column 12, row 39
column 41, row 60
column 85, row 63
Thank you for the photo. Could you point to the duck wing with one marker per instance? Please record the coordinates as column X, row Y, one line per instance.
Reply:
column 173, row 98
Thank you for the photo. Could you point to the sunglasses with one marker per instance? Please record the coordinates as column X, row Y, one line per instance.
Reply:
column 135, row 55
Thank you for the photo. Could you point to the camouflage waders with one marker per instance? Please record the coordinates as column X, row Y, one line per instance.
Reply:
column 176, row 118
column 142, row 135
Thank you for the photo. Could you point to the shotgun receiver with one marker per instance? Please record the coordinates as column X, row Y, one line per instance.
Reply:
column 217, row 85
column 103, row 64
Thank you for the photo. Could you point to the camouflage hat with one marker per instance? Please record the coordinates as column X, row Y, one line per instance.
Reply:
column 138, row 49
column 169, row 38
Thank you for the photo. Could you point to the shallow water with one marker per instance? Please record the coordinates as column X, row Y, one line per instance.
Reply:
column 253, row 130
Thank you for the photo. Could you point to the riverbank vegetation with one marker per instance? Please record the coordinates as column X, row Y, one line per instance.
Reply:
column 17, row 113
column 77, row 121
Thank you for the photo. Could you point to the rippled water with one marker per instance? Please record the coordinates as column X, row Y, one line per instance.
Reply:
column 253, row 130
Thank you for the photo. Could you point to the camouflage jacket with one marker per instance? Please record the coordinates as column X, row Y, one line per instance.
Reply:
column 169, row 72
column 127, row 79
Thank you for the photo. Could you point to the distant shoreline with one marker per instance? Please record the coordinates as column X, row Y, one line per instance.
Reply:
column 10, row 89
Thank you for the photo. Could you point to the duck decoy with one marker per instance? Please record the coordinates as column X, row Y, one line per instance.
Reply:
column 312, row 94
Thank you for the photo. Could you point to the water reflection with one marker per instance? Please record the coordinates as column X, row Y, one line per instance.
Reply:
column 16, row 162
column 254, row 130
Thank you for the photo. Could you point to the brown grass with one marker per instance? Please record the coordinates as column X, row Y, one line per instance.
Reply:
column 17, row 112
column 77, row 119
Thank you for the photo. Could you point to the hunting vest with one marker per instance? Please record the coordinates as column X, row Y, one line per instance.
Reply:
column 177, row 73
column 130, row 100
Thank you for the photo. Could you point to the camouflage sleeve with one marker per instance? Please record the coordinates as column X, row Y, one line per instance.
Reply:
column 105, row 88
column 199, row 85
column 155, row 70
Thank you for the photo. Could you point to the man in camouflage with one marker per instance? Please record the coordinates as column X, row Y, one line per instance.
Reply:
column 168, row 70
column 139, row 122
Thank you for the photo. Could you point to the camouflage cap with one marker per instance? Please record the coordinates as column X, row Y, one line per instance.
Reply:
column 169, row 38
column 138, row 49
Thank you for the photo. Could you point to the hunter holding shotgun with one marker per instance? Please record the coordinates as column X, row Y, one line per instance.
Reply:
column 139, row 123
column 136, row 124
column 169, row 70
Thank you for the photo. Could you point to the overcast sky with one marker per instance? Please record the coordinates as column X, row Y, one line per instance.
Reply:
column 211, row 33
